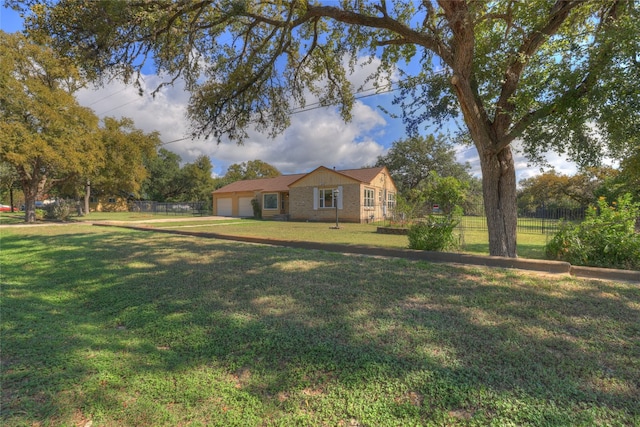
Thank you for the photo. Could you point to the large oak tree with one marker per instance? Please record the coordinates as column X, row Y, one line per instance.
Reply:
column 167, row 181
column 44, row 133
column 556, row 74
column 126, row 149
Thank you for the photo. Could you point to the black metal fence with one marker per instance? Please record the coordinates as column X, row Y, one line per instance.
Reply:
column 542, row 220
column 178, row 208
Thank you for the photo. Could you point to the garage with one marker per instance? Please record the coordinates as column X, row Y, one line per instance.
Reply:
column 223, row 207
column 245, row 208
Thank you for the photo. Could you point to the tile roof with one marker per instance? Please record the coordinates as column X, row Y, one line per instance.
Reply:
column 282, row 182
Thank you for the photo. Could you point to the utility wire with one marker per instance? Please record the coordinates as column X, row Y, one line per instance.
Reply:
column 120, row 106
column 108, row 96
column 175, row 140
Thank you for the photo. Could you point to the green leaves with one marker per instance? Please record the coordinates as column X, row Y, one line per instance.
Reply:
column 45, row 134
column 607, row 238
column 411, row 160
column 434, row 233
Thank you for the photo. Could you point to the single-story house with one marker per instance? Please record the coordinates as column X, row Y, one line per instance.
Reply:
column 108, row 204
column 356, row 195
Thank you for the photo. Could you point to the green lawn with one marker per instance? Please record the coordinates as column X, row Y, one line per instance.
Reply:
column 530, row 245
column 126, row 328
column 18, row 217
column 473, row 241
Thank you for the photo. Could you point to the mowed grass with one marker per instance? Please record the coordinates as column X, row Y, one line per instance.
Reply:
column 530, row 245
column 110, row 327
column 11, row 218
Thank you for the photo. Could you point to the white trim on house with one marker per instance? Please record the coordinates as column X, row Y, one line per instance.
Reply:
column 368, row 197
column 316, row 198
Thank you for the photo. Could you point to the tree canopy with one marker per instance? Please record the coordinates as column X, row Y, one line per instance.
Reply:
column 558, row 191
column 629, row 178
column 198, row 182
column 44, row 133
column 555, row 74
column 167, row 181
column 411, row 160
column 163, row 171
column 253, row 169
column 126, row 147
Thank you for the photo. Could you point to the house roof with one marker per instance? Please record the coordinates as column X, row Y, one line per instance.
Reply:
column 364, row 174
column 279, row 183
column 282, row 182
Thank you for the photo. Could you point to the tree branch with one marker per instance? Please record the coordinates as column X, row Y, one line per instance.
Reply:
column 581, row 90
column 385, row 22
column 504, row 107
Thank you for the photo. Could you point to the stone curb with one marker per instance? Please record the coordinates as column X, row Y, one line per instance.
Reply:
column 544, row 266
column 605, row 273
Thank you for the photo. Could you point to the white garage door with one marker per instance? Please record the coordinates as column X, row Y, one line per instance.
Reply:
column 224, row 207
column 245, row 209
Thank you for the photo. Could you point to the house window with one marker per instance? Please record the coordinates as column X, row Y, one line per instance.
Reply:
column 369, row 197
column 391, row 200
column 270, row 201
column 111, row 200
column 326, row 198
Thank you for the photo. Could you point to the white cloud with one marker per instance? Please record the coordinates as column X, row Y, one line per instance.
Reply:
column 315, row 137
column 524, row 168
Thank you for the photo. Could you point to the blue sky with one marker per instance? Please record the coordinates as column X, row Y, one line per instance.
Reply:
column 316, row 137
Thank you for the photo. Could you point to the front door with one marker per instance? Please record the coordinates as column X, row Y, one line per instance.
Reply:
column 284, row 203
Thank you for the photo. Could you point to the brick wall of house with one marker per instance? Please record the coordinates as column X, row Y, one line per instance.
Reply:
column 301, row 205
column 300, row 199
column 302, row 194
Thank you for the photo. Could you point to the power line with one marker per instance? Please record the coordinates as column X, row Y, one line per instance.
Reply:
column 318, row 105
column 107, row 97
column 390, row 88
column 120, row 106
column 175, row 140
column 309, row 107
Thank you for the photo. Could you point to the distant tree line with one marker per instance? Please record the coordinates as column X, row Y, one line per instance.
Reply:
column 552, row 190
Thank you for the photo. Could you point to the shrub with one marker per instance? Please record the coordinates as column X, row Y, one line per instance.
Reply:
column 433, row 234
column 60, row 210
column 257, row 210
column 606, row 238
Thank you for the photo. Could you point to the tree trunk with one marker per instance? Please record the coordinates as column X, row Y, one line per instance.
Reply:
column 11, row 197
column 87, row 196
column 32, row 187
column 30, row 190
column 499, row 190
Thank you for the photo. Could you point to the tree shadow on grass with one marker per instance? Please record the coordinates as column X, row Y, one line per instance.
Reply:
column 126, row 325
